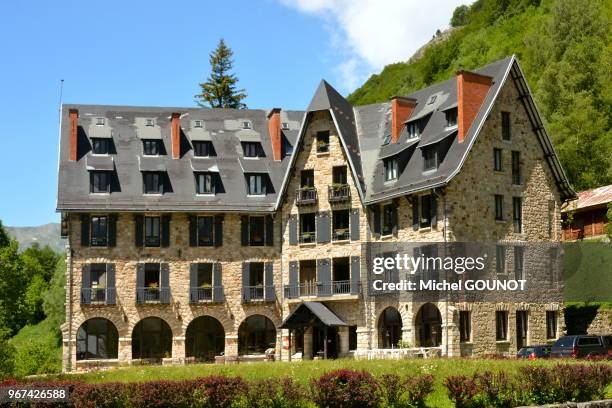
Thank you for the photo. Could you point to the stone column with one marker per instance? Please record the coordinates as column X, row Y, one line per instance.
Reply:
column 285, row 345
column 308, row 343
column 363, row 338
column 408, row 335
column 178, row 350
column 125, row 350
column 343, row 347
column 231, row 345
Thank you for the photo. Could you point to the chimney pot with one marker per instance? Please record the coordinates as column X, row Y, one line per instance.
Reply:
column 73, row 115
column 175, row 135
column 472, row 89
column 401, row 108
column 274, row 129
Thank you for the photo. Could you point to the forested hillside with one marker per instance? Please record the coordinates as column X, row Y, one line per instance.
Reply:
column 565, row 51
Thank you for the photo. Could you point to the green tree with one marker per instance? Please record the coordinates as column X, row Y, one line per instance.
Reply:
column 55, row 297
column 13, row 283
column 39, row 265
column 460, row 16
column 608, row 230
column 219, row 91
column 7, row 355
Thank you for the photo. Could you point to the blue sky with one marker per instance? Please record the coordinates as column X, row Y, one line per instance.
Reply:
column 155, row 53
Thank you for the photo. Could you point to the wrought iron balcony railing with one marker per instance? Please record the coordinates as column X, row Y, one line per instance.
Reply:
column 258, row 292
column 307, row 237
column 322, row 289
column 97, row 295
column 338, row 193
column 206, row 294
column 152, row 295
column 340, row 234
column 306, row 195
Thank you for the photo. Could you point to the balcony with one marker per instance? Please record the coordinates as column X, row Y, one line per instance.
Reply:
column 307, row 237
column 206, row 294
column 338, row 193
column 258, row 293
column 152, row 295
column 97, row 295
column 341, row 234
column 306, row 196
column 320, row 289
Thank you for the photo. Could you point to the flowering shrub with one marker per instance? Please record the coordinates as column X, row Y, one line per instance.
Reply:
column 160, row 394
column 409, row 392
column 346, row 389
column 462, row 390
column 276, row 393
column 219, row 391
column 108, row 395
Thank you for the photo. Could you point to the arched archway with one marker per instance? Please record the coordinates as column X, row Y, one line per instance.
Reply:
column 151, row 338
column 97, row 339
column 389, row 328
column 205, row 338
column 256, row 334
column 428, row 326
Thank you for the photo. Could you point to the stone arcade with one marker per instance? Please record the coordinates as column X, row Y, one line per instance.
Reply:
column 220, row 234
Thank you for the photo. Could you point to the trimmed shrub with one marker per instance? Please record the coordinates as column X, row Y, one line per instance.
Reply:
column 161, row 394
column 219, row 391
column 405, row 393
column 461, row 390
column 107, row 395
column 276, row 393
column 346, row 389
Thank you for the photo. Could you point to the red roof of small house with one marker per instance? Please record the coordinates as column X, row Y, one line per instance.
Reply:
column 591, row 198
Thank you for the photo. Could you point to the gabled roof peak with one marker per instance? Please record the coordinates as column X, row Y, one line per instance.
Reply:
column 325, row 97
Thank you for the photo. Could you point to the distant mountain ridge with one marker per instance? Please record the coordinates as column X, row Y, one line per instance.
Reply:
column 47, row 234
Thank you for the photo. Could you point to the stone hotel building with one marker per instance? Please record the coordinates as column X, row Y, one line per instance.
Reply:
column 228, row 235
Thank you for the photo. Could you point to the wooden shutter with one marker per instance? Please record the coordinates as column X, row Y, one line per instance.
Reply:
column 293, row 280
column 376, row 220
column 355, row 275
column 165, row 230
column 139, row 229
column 293, row 230
column 193, row 283
column 86, row 284
column 193, row 231
column 218, row 230
column 324, row 277
column 85, row 230
column 323, row 227
column 217, row 282
column 111, row 294
column 415, row 213
column 112, row 230
column 140, row 282
column 355, row 224
column 164, row 284
column 269, row 294
column 394, row 217
column 434, row 211
column 269, row 230
column 246, row 269
column 244, row 230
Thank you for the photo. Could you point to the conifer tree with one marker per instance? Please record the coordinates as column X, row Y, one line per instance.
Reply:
column 219, row 91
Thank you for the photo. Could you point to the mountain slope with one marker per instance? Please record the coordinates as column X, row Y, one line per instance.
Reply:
column 565, row 51
column 48, row 234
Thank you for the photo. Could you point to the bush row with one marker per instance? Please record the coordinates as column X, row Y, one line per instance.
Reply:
column 341, row 388
column 530, row 385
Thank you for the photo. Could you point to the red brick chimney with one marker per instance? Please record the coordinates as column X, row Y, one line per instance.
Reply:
column 274, row 128
column 175, row 135
column 401, row 108
column 73, row 115
column 472, row 89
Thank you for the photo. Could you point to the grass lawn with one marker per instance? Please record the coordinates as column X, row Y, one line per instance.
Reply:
column 304, row 371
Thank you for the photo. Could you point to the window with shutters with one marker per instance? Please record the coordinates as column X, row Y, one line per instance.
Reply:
column 352, row 337
column 257, row 231
column 205, row 183
column 517, row 214
column 205, row 230
column 501, row 325
column 340, row 220
column 497, row 159
column 203, row 148
column 499, row 207
column 516, row 168
column 100, row 145
column 205, row 275
column 151, row 147
column 97, row 275
column 153, row 182
column 152, row 281
column 465, row 326
column 551, row 324
column 426, row 210
column 506, row 130
column 323, row 142
column 391, row 169
column 99, row 231
column 100, row 182
column 519, row 260
column 307, row 228
column 500, row 259
column 389, row 219
column 341, row 276
column 152, row 231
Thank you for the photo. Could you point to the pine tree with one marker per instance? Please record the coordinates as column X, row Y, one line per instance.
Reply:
column 219, row 91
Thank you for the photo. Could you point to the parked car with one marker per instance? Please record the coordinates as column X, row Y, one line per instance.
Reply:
column 579, row 346
column 607, row 341
column 534, row 352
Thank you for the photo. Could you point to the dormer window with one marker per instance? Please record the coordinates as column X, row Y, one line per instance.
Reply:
column 151, row 147
column 100, row 145
column 100, row 182
column 256, row 184
column 387, row 139
column 149, row 122
column 153, row 182
column 198, row 124
column 414, row 130
column 430, row 158
column 205, row 183
column 252, row 149
column 246, row 124
column 391, row 169
column 432, row 99
column 203, row 148
column 451, row 117
column 100, row 121
column 285, row 126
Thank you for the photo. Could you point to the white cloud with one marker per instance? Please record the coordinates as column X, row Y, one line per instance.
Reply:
column 370, row 34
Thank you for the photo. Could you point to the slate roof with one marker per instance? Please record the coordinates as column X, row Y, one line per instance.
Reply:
column 318, row 310
column 362, row 130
